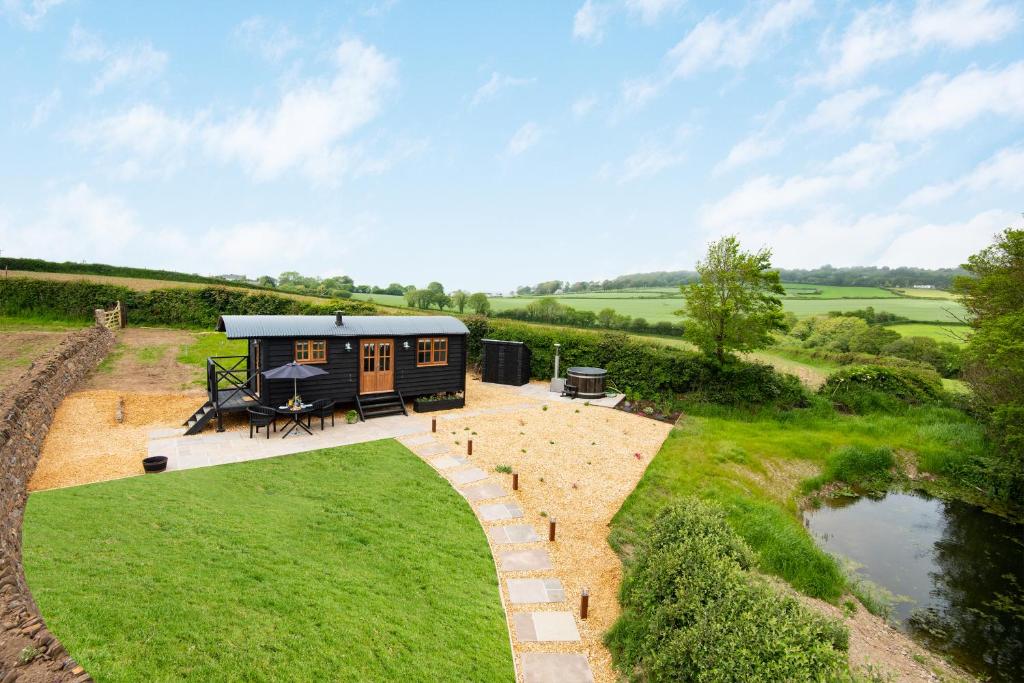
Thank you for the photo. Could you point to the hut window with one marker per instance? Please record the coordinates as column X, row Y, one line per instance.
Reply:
column 432, row 351
column 311, row 351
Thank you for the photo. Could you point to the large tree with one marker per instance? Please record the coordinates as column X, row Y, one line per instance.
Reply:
column 994, row 299
column 459, row 299
column 735, row 305
column 479, row 303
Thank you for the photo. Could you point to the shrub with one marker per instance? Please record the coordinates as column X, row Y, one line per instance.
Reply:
column 945, row 357
column 175, row 307
column 860, row 466
column 871, row 388
column 642, row 369
column 692, row 611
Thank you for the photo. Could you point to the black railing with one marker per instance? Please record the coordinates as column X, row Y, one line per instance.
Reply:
column 228, row 377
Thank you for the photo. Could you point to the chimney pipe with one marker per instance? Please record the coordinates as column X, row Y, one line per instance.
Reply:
column 557, row 354
column 338, row 318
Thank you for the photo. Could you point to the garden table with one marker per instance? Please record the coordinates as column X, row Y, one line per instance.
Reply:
column 295, row 414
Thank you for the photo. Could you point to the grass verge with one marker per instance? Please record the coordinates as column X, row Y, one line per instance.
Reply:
column 354, row 563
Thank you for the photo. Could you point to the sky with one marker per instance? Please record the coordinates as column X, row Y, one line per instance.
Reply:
column 488, row 145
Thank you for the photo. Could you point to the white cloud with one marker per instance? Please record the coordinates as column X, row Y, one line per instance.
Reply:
column 738, row 41
column 271, row 42
column 589, row 21
column 650, row 11
column 142, row 140
column 656, row 155
column 938, row 245
column 747, row 151
column 528, row 135
column 28, row 13
column 306, row 128
column 939, row 103
column 1004, row 170
column 139, row 63
column 881, row 33
column 583, row 106
column 842, row 111
column 495, row 84
column 44, row 108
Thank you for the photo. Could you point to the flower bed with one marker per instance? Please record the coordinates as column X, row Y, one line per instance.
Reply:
column 429, row 404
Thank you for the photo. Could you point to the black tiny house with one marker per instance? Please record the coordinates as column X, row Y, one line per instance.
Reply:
column 369, row 360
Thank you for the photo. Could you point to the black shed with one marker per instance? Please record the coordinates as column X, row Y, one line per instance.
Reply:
column 368, row 360
column 505, row 362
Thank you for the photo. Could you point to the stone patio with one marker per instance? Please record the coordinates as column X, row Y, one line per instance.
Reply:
column 516, row 533
column 526, row 591
column 555, row 667
column 524, row 560
column 557, row 627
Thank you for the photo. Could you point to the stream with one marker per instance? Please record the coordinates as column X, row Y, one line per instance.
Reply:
column 956, row 571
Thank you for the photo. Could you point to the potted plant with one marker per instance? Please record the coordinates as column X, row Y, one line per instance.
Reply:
column 352, row 417
column 444, row 401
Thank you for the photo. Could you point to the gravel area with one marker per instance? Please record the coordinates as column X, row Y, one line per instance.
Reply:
column 576, row 463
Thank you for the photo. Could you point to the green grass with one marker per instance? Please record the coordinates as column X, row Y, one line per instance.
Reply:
column 943, row 333
column 149, row 355
column 35, row 323
column 754, row 464
column 209, row 344
column 922, row 310
column 346, row 564
column 803, row 291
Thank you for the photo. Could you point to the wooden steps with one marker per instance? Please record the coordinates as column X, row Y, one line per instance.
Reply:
column 380, row 405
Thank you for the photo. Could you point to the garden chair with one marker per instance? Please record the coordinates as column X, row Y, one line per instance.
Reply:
column 323, row 409
column 261, row 416
column 570, row 390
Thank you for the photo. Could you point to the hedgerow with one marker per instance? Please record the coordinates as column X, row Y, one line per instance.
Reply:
column 693, row 612
column 174, row 307
column 71, row 267
column 646, row 370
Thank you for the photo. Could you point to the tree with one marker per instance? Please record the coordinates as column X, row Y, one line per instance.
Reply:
column 873, row 339
column 735, row 305
column 994, row 355
column 267, row 281
column 606, row 317
column 479, row 303
column 459, row 299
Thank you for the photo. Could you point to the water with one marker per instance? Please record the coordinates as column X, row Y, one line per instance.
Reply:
column 957, row 572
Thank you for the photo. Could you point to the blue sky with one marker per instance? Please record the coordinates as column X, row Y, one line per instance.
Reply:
column 494, row 144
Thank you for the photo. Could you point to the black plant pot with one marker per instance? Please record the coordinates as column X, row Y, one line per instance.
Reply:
column 431, row 406
column 155, row 463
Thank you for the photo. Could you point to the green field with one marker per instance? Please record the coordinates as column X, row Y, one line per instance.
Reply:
column 346, row 564
column 943, row 333
column 802, row 291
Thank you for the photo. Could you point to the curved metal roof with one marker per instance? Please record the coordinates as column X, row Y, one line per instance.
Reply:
column 253, row 326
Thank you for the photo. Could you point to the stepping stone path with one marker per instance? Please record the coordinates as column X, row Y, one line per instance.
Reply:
column 484, row 492
column 468, row 476
column 530, row 627
column 555, row 667
column 556, row 627
column 516, row 533
column 524, row 560
column 526, row 591
column 446, row 462
column 496, row 512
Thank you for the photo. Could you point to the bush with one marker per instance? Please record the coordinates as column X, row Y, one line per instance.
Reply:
column 874, row 388
column 945, row 357
column 692, row 611
column 860, row 466
column 175, row 307
column 648, row 370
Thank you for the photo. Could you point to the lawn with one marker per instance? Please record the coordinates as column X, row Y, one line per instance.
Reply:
column 753, row 464
column 357, row 563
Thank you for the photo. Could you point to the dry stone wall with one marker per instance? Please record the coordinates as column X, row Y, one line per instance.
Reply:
column 28, row 651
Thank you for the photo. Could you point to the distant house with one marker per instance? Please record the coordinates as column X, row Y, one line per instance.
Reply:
column 230, row 277
column 374, row 363
column 924, row 286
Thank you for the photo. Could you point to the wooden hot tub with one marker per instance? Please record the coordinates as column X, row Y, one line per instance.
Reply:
column 589, row 382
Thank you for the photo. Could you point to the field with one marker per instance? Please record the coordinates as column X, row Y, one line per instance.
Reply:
column 354, row 563
column 925, row 293
column 659, row 304
column 943, row 333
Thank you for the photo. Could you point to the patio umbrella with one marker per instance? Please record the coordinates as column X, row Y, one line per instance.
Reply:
column 294, row 371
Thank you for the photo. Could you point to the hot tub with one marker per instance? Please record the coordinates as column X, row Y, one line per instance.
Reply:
column 589, row 382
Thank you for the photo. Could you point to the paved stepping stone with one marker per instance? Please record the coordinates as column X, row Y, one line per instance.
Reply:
column 524, row 591
column 545, row 627
column 496, row 512
column 468, row 476
column 517, row 533
column 555, row 667
column 446, row 462
column 432, row 449
column 525, row 560
column 417, row 439
column 484, row 492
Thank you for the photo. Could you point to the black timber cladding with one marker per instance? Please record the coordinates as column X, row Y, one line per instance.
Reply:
column 342, row 381
column 505, row 362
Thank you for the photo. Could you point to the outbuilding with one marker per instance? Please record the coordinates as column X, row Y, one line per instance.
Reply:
column 375, row 362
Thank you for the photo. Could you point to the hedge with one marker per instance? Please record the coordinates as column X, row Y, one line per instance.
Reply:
column 692, row 611
column 34, row 265
column 646, row 370
column 174, row 307
column 866, row 388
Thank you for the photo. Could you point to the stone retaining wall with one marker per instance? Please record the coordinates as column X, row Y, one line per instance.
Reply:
column 28, row 651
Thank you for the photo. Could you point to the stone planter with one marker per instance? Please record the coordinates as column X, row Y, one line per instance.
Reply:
column 444, row 404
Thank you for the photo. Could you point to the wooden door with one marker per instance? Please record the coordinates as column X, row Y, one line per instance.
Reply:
column 257, row 366
column 376, row 366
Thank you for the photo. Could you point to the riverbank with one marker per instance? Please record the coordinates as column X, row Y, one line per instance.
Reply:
column 753, row 462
